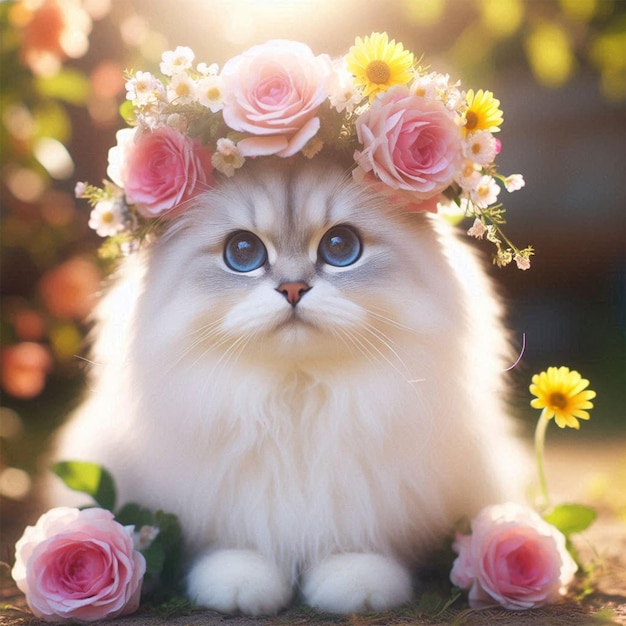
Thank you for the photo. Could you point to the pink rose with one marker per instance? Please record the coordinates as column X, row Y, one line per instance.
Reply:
column 514, row 558
column 79, row 566
column 274, row 91
column 410, row 143
column 159, row 169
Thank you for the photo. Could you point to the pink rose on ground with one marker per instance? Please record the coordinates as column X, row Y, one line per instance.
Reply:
column 410, row 143
column 514, row 558
column 159, row 169
column 78, row 566
column 274, row 91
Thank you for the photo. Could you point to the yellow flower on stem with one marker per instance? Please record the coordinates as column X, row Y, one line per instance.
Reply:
column 483, row 112
column 377, row 64
column 561, row 394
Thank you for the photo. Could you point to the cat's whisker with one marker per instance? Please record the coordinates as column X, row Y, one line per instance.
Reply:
column 219, row 368
column 390, row 321
column 402, row 370
column 206, row 332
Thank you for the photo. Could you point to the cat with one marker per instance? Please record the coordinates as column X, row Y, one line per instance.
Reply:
column 312, row 379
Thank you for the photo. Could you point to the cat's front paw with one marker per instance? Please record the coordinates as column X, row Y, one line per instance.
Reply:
column 357, row 583
column 238, row 581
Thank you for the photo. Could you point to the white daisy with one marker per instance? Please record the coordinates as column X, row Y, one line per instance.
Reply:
column 107, row 218
column 227, row 158
column 177, row 61
column 468, row 176
column 342, row 92
column 208, row 70
column 480, row 147
column 485, row 193
column 209, row 91
column 181, row 89
column 514, row 182
column 144, row 89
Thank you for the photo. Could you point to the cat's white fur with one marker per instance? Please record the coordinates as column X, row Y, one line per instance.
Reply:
column 325, row 447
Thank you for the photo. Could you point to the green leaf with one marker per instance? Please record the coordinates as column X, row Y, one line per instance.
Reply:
column 88, row 478
column 571, row 518
column 134, row 515
column 155, row 557
column 171, row 538
column 127, row 111
column 69, row 85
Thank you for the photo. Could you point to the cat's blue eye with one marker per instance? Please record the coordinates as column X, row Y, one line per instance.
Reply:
column 244, row 252
column 340, row 246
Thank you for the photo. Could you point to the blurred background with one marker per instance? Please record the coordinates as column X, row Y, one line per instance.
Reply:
column 557, row 66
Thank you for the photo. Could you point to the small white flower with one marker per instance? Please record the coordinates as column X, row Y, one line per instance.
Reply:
column 79, row 189
column 177, row 61
column 181, row 89
column 209, row 92
column 424, row 86
column 454, row 98
column 151, row 118
column 144, row 538
column 208, row 70
column 480, row 147
column 430, row 86
column 227, row 158
column 144, row 89
column 343, row 94
column 435, row 86
column 477, row 230
column 468, row 176
column 485, row 193
column 514, row 182
column 107, row 218
column 523, row 263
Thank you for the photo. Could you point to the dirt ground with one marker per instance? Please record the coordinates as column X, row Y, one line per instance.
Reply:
column 590, row 473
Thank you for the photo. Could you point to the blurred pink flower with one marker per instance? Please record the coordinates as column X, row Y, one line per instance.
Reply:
column 51, row 31
column 69, row 290
column 159, row 170
column 513, row 558
column 25, row 366
column 79, row 566
column 274, row 92
column 410, row 143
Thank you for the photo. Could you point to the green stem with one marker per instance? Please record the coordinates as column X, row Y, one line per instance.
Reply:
column 540, row 438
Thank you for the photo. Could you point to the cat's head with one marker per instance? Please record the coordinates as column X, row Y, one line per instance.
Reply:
column 293, row 262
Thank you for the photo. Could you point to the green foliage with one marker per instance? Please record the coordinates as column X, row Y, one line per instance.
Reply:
column 88, row 478
column 435, row 604
column 163, row 552
column 68, row 85
column 571, row 518
column 127, row 112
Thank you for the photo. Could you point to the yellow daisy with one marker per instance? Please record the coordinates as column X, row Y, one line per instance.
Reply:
column 482, row 112
column 562, row 394
column 377, row 64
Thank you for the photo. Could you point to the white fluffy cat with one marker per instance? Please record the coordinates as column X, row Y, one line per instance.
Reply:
column 310, row 378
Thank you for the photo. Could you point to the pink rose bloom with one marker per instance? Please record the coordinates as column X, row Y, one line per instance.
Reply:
column 274, row 91
column 159, row 169
column 78, row 566
column 514, row 558
column 410, row 143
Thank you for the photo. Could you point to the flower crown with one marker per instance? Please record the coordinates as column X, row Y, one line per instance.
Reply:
column 410, row 133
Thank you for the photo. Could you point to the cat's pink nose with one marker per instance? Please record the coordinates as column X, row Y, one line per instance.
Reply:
column 293, row 291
